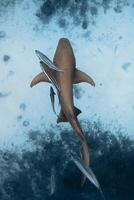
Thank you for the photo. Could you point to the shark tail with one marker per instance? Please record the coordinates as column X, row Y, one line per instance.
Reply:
column 85, row 150
column 72, row 118
column 86, row 159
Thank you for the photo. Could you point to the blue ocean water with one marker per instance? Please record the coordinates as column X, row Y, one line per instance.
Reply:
column 101, row 33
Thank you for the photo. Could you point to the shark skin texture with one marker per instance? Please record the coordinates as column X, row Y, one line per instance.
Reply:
column 63, row 80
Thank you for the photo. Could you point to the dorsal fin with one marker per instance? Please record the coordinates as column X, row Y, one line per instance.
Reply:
column 80, row 77
column 77, row 111
column 62, row 117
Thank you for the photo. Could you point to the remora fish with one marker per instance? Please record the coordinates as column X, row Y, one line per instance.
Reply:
column 45, row 76
column 47, row 61
column 52, row 94
column 87, row 171
column 52, row 181
column 64, row 59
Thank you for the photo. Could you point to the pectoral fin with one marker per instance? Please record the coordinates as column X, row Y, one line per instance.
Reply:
column 80, row 77
column 41, row 77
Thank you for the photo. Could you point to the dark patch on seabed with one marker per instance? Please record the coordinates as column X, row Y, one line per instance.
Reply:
column 6, row 58
column 27, row 176
column 23, row 106
column 78, row 92
column 4, row 94
column 81, row 12
column 2, row 34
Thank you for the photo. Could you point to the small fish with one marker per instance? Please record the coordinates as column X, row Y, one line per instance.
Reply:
column 126, row 65
column 4, row 94
column 49, row 75
column 52, row 181
column 87, row 171
column 47, row 61
column 115, row 49
column 100, row 51
column 52, row 94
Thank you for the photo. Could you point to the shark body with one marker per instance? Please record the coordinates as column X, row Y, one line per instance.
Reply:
column 64, row 60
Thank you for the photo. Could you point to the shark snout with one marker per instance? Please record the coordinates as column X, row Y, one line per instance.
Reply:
column 64, row 42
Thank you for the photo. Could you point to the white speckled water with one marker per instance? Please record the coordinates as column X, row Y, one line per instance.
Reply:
column 101, row 51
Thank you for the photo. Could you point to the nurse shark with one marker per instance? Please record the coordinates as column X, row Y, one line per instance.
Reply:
column 63, row 75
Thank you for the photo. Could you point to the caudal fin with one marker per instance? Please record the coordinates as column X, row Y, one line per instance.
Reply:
column 86, row 159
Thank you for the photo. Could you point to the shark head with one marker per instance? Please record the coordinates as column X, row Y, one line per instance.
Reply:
column 64, row 55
